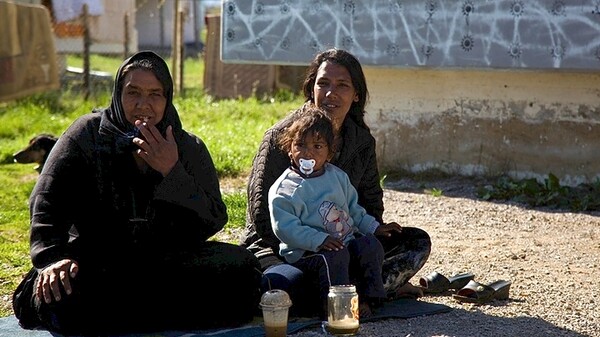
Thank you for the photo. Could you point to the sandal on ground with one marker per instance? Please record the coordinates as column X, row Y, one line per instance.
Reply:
column 475, row 292
column 435, row 282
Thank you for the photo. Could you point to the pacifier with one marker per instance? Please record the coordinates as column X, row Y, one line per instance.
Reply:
column 307, row 165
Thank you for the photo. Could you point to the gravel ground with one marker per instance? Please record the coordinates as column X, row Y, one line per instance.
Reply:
column 551, row 257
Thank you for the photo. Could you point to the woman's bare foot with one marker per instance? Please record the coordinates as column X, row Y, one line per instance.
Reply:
column 409, row 291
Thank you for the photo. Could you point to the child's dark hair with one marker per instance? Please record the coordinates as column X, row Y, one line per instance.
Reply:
column 309, row 120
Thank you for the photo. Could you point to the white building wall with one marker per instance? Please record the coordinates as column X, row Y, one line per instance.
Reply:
column 155, row 23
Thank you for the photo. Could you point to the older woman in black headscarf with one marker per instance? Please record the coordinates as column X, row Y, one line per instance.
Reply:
column 120, row 218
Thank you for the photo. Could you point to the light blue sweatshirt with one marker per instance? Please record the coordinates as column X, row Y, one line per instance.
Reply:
column 304, row 211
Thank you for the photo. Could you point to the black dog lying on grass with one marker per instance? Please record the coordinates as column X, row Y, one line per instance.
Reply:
column 37, row 151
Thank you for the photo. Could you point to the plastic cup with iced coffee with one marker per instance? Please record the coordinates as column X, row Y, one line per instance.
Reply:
column 275, row 305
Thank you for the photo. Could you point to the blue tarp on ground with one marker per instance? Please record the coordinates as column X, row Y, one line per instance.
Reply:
column 402, row 308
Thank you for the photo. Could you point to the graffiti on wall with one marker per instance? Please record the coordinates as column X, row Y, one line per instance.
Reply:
column 537, row 34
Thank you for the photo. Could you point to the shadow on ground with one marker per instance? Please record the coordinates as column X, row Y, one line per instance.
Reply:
column 458, row 322
column 467, row 187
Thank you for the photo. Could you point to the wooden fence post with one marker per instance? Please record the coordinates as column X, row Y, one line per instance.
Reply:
column 86, row 53
column 175, row 49
column 126, row 37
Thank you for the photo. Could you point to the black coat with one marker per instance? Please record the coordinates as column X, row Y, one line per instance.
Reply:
column 88, row 191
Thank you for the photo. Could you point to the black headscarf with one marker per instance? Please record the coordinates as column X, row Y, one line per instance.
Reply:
column 114, row 123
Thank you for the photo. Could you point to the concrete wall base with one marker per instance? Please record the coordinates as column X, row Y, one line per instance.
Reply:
column 525, row 124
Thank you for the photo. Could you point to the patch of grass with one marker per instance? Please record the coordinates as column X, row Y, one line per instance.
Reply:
column 236, row 209
column 436, row 192
column 382, row 180
column 585, row 197
column 98, row 62
column 231, row 129
column 192, row 76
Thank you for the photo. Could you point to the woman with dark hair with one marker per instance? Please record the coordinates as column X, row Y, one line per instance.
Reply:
column 334, row 82
column 120, row 220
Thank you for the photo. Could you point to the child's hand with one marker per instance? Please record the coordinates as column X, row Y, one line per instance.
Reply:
column 331, row 243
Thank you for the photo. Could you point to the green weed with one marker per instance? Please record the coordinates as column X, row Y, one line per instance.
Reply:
column 436, row 192
column 585, row 197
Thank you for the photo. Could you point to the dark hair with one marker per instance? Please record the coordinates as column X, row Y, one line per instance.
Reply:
column 348, row 61
column 308, row 120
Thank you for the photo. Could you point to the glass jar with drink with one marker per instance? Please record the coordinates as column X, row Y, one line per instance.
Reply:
column 343, row 317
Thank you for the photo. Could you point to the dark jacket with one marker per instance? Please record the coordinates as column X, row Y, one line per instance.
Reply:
column 357, row 158
column 90, row 193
